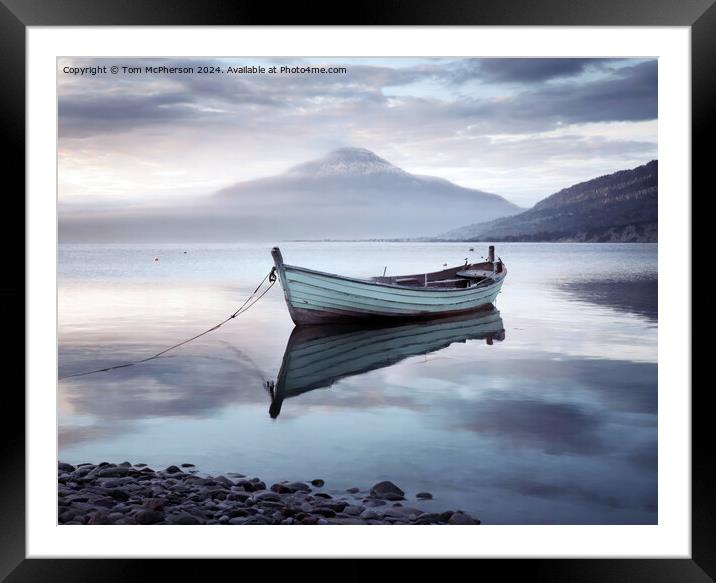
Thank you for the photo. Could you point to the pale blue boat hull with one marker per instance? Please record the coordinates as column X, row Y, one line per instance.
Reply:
column 314, row 297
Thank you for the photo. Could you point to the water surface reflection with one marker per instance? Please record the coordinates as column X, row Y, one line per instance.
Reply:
column 555, row 425
column 318, row 356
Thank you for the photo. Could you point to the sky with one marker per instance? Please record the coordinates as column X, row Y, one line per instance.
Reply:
column 520, row 128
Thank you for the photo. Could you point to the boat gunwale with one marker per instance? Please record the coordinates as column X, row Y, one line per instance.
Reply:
column 484, row 283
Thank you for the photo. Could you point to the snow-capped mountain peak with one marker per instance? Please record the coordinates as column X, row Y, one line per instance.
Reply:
column 346, row 162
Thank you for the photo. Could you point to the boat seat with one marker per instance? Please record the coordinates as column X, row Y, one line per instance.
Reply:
column 457, row 282
column 475, row 273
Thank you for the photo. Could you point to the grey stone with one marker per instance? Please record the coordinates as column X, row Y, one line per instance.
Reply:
column 148, row 516
column 445, row 516
column 224, row 480
column 384, row 487
column 113, row 472
column 429, row 517
column 84, row 506
column 265, row 495
column 271, row 504
column 353, row 510
column 154, row 503
column 462, row 518
column 336, row 506
column 424, row 495
column 310, row 520
column 105, row 502
column 114, row 516
column 402, row 512
column 99, row 517
column 391, row 496
column 68, row 515
column 387, row 491
column 369, row 514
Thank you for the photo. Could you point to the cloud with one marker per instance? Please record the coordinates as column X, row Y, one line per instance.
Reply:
column 431, row 116
column 630, row 96
column 83, row 115
column 555, row 428
column 523, row 70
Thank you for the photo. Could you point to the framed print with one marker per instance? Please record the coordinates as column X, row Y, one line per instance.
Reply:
column 295, row 288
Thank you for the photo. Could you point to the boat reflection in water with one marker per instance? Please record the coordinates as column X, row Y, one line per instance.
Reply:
column 318, row 356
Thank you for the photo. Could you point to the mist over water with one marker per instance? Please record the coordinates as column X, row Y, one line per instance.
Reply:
column 555, row 423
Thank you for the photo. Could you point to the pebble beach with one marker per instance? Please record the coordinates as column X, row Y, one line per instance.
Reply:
column 128, row 493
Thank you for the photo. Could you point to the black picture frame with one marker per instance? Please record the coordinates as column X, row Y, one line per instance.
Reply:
column 17, row 15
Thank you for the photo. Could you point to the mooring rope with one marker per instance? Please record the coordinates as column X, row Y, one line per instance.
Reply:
column 245, row 307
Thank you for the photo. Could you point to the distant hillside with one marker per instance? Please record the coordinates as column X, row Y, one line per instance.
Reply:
column 619, row 207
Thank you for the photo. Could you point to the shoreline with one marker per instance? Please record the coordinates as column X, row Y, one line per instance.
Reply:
column 123, row 493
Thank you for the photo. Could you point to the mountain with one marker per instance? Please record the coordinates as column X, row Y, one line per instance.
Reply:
column 617, row 207
column 351, row 193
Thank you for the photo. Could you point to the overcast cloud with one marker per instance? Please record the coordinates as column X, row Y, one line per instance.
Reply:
column 522, row 128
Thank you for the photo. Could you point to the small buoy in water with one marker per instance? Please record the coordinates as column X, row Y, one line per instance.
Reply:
column 156, row 259
column 472, row 248
column 444, row 264
column 184, row 252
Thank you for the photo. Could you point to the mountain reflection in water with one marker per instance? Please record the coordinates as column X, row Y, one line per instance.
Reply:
column 318, row 356
column 638, row 296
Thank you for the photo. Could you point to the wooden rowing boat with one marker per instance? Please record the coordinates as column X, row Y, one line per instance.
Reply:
column 319, row 356
column 315, row 297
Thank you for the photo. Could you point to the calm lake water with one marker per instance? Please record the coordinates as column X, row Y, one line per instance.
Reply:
column 553, row 421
